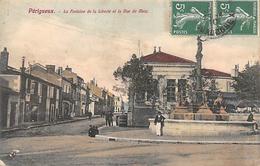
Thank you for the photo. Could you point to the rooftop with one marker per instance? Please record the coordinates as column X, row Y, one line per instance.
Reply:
column 163, row 57
column 213, row 72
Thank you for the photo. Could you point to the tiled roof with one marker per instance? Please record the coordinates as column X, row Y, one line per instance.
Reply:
column 212, row 72
column 163, row 57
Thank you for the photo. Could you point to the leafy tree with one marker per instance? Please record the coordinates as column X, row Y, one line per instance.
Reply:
column 247, row 84
column 136, row 76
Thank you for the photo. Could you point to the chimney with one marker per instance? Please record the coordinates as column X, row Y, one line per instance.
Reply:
column 4, row 60
column 23, row 66
column 59, row 71
column 154, row 49
column 68, row 68
column 159, row 49
column 50, row 68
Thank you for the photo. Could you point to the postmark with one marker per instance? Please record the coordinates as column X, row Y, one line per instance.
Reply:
column 243, row 13
column 191, row 17
column 214, row 18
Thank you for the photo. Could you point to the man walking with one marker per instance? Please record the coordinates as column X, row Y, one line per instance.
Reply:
column 159, row 123
column 111, row 118
column 107, row 117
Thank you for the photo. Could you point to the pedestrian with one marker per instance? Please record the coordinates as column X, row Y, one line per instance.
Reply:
column 90, row 115
column 103, row 114
column 93, row 131
column 159, row 123
column 117, row 120
column 111, row 118
column 250, row 118
column 107, row 114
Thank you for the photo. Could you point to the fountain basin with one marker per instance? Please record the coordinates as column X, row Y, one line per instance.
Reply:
column 173, row 127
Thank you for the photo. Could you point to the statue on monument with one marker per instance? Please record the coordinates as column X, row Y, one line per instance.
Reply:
column 199, row 55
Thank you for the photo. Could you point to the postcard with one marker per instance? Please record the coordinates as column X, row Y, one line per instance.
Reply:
column 128, row 82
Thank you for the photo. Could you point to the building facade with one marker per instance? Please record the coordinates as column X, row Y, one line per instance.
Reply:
column 118, row 104
column 173, row 74
column 42, row 94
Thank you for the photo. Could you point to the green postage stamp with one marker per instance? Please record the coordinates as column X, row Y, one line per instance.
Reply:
column 244, row 13
column 191, row 17
column 214, row 18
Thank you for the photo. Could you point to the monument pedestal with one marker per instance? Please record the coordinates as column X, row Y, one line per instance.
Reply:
column 181, row 112
column 204, row 113
column 223, row 115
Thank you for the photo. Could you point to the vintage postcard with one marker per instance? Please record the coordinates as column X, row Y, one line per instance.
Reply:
column 129, row 82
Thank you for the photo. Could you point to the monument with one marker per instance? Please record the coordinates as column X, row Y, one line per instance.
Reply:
column 196, row 118
column 199, row 92
column 197, row 108
column 200, row 104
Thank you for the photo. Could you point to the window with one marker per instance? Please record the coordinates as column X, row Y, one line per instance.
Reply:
column 57, row 105
column 39, row 89
column 51, row 92
column 48, row 91
column 57, row 94
column 171, row 90
column 64, row 88
column 32, row 88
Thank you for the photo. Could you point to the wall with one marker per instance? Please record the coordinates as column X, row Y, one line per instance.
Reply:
column 172, row 71
column 11, row 81
column 13, row 111
column 243, row 117
column 204, row 128
column 224, row 84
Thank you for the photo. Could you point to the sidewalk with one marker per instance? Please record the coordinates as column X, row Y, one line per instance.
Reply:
column 145, row 135
column 43, row 124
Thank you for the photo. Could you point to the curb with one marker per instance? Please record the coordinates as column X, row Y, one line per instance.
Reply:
column 44, row 125
column 119, row 139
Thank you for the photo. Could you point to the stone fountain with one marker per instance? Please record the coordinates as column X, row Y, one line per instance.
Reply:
column 196, row 118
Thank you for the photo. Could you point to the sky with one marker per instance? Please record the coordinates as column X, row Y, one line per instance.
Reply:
column 95, row 44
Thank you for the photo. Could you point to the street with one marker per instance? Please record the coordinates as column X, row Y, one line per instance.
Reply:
column 68, row 144
column 75, row 128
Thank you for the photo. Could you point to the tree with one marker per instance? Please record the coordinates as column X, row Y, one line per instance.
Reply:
column 137, row 76
column 247, row 84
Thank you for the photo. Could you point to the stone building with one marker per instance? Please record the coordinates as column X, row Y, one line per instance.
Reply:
column 52, row 86
column 174, row 81
column 118, row 104
column 39, row 93
column 27, row 95
column 96, row 98
column 79, row 91
column 173, row 74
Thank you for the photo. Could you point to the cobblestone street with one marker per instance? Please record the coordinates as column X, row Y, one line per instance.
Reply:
column 74, row 128
column 68, row 144
column 145, row 133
